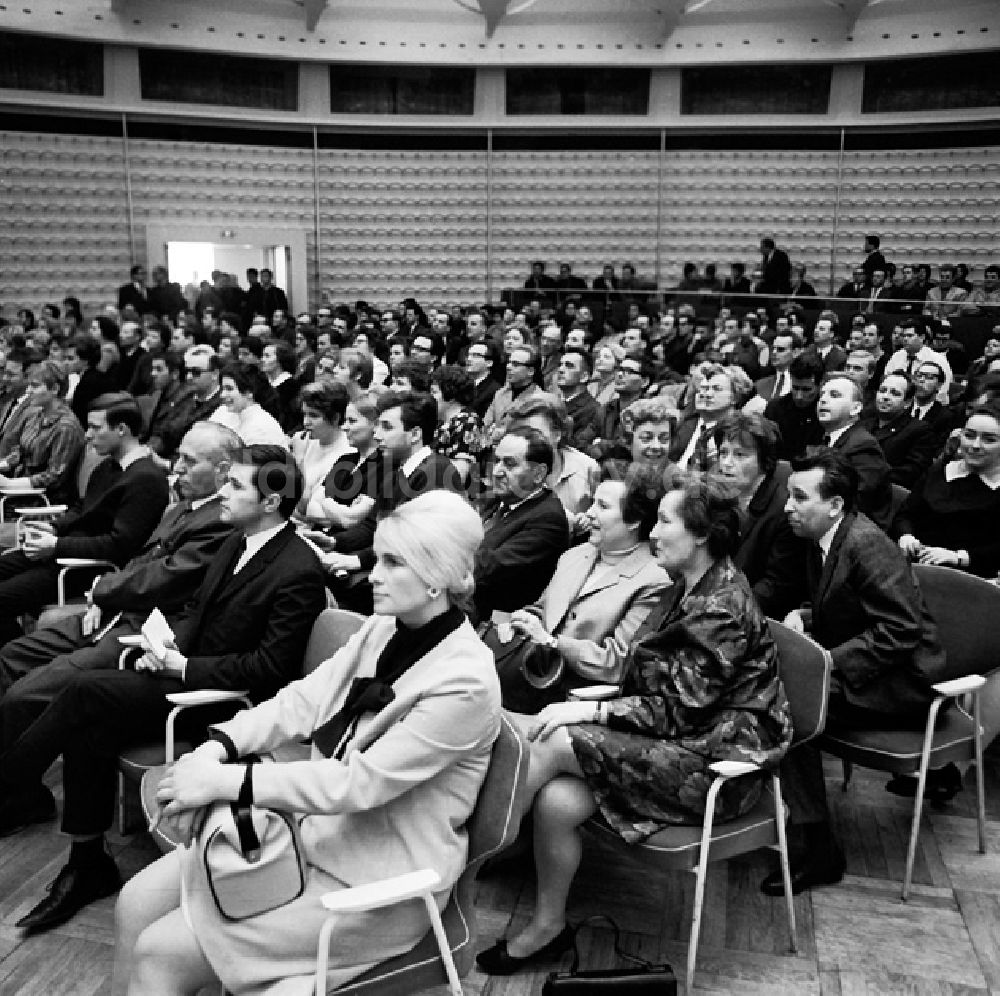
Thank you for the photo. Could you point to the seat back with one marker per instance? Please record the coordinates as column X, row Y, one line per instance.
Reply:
column 331, row 630
column 804, row 667
column 966, row 609
column 899, row 496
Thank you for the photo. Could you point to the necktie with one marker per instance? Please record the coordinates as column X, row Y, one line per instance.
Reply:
column 779, row 383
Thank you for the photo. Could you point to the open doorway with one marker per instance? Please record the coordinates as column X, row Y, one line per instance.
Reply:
column 191, row 251
column 190, row 263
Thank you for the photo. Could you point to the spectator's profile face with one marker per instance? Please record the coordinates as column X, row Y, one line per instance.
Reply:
column 397, row 590
column 359, row 430
column 715, row 395
column 269, row 361
column 197, row 475
column 232, row 397
column 739, row 465
column 519, row 369
column 550, row 341
column 605, row 363
column 130, row 334
column 823, row 333
column 651, row 441
column 477, row 361
column 870, row 337
column 241, row 503
column 856, row 340
column 513, row 338
column 856, row 368
column 397, row 353
column 891, row 396
column 608, row 530
column 571, row 371
column 979, row 444
column 514, row 477
column 673, row 544
column 629, row 379
column 912, row 341
column 632, row 341
column 323, row 341
column 809, row 513
column 180, row 340
column 104, row 439
column 475, row 326
column 782, row 352
column 946, row 278
column 837, row 404
column 805, row 391
column 390, row 436
column 39, row 392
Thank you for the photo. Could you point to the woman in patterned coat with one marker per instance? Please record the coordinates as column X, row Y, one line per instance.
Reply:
column 701, row 686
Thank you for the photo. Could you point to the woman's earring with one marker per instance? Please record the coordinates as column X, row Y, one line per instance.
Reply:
column 433, row 592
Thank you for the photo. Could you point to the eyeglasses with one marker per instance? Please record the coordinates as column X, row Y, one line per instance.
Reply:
column 925, row 376
column 517, row 363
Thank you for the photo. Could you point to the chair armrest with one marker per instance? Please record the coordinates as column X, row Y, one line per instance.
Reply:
column 386, row 892
column 70, row 562
column 960, row 686
column 38, row 511
column 595, row 693
column 5, row 492
column 733, row 769
column 204, row 696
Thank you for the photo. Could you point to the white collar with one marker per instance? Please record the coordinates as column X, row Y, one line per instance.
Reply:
column 826, row 540
column 959, row 468
column 255, row 543
column 837, row 433
column 281, row 378
column 137, row 454
column 518, row 504
column 413, row 461
column 197, row 503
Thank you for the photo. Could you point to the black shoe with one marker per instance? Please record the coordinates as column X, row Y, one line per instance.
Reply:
column 808, row 873
column 498, row 961
column 73, row 889
column 23, row 809
column 942, row 785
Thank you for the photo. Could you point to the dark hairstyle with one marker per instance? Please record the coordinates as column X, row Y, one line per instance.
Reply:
column 417, row 410
column 277, row 474
column 585, row 356
column 708, row 510
column 840, row 479
column 455, row 383
column 73, row 307
column 309, row 333
column 21, row 356
column 753, row 431
column 539, row 449
column 53, row 376
column 88, row 349
column 437, row 343
column 767, row 243
column 359, row 364
column 52, row 309
column 738, row 268
column 109, row 329
column 415, row 372
column 253, row 345
column 135, row 270
column 916, row 323
column 873, row 240
column 243, row 375
column 120, row 408
column 644, row 488
column 329, row 398
column 284, row 354
column 175, row 363
column 807, row 367
column 163, row 330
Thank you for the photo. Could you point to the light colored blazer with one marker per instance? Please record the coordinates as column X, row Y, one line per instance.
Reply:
column 596, row 617
column 399, row 799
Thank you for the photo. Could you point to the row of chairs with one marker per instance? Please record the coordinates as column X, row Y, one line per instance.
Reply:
column 447, row 952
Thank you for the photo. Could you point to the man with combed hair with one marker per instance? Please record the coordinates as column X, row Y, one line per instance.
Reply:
column 246, row 629
column 865, row 607
column 946, row 300
column 125, row 497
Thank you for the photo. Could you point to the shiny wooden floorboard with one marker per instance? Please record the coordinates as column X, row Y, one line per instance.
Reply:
column 856, row 938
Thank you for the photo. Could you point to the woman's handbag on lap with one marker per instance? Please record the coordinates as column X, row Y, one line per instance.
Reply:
column 645, row 977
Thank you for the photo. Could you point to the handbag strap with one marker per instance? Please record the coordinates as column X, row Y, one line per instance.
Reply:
column 242, row 810
column 600, row 917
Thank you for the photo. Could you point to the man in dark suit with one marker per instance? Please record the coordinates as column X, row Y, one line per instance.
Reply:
column 866, row 609
column 479, row 360
column 125, row 497
column 838, row 410
column 770, row 555
column 526, row 526
column 165, row 298
column 824, row 347
column 274, row 298
column 607, row 281
column 776, row 269
column 165, row 574
column 246, row 629
column 566, row 280
column 874, row 260
column 856, row 288
column 539, row 280
column 795, row 413
column 908, row 444
column 134, row 293
column 927, row 380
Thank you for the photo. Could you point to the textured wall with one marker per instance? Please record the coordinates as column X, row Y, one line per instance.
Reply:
column 400, row 222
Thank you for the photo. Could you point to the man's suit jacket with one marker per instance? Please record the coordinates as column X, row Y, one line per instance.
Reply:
column 482, row 396
column 169, row 569
column 799, row 427
column 834, row 360
column 859, row 448
column 503, row 400
column 250, row 629
column 868, row 612
column 599, row 615
column 129, row 296
column 876, row 304
column 872, row 262
column 119, row 511
column 519, row 552
column 909, row 446
column 771, row 556
column 166, row 300
column 588, row 419
column 852, row 291
column 941, row 420
column 777, row 271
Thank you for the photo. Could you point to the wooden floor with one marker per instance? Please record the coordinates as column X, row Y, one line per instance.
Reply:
column 855, row 938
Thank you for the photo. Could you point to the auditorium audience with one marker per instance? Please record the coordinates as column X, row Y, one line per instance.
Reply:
column 240, row 410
